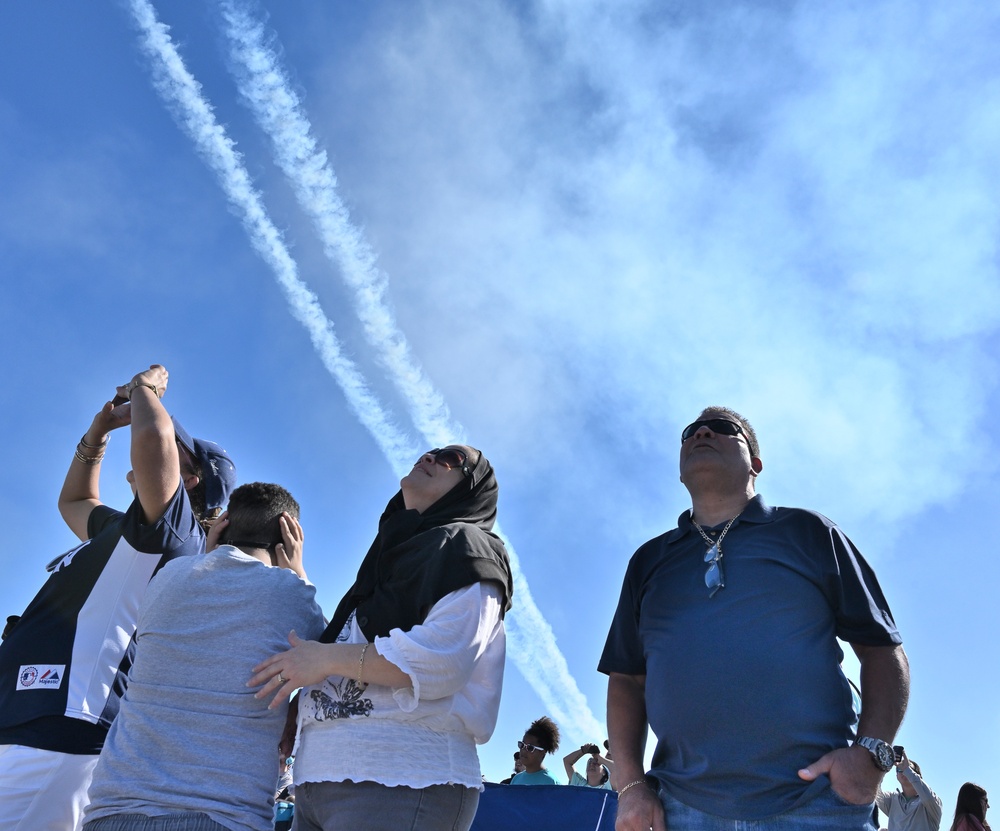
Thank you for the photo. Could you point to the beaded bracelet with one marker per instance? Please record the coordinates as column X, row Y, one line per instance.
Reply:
column 631, row 785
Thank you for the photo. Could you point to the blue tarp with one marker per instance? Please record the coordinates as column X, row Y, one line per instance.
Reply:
column 548, row 807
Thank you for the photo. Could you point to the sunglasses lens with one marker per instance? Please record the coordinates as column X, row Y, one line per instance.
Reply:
column 452, row 458
column 717, row 425
column 448, row 457
column 713, row 578
column 727, row 428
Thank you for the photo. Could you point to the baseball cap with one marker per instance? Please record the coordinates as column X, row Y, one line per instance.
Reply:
column 217, row 470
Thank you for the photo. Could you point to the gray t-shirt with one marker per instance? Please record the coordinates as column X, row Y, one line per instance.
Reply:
column 190, row 736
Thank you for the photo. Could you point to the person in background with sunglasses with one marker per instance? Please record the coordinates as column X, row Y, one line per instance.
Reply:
column 541, row 738
column 725, row 643
column 406, row 679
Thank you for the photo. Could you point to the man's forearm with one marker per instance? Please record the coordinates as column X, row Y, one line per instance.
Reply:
column 885, row 690
column 627, row 726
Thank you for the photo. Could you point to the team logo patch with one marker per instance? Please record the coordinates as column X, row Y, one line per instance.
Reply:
column 41, row 677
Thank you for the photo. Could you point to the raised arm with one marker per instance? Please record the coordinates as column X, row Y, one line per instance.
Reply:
column 571, row 758
column 80, row 492
column 930, row 800
column 155, row 461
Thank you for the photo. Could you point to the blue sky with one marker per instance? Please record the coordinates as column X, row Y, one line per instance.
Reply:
column 587, row 220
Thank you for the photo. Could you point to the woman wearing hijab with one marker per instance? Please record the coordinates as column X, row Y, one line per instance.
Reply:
column 406, row 679
column 970, row 809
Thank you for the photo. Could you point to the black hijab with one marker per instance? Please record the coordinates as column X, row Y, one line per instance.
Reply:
column 418, row 558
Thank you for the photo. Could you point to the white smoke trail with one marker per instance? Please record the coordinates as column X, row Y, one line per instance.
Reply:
column 532, row 642
column 183, row 96
column 266, row 88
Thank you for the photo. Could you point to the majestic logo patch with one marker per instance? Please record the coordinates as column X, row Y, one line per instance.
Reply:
column 41, row 677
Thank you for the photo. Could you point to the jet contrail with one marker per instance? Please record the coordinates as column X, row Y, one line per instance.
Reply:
column 533, row 644
column 183, row 96
column 265, row 86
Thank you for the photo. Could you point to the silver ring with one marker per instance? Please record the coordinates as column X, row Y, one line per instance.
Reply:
column 280, row 679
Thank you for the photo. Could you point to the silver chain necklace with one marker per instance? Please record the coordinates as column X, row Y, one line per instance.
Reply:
column 714, row 577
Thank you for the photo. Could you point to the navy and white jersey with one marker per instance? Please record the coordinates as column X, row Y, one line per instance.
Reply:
column 64, row 666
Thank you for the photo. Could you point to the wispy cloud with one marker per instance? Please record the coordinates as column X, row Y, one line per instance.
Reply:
column 265, row 87
column 533, row 646
column 183, row 95
column 776, row 205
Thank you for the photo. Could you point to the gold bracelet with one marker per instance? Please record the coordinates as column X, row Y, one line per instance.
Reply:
column 88, row 460
column 361, row 664
column 131, row 388
column 631, row 785
column 83, row 441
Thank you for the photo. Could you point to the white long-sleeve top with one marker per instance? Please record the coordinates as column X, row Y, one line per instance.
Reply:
column 921, row 813
column 415, row 736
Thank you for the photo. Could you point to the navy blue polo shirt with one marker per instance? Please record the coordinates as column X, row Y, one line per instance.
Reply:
column 745, row 688
column 63, row 668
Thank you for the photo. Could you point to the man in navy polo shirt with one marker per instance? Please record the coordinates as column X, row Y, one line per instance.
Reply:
column 63, row 664
column 725, row 643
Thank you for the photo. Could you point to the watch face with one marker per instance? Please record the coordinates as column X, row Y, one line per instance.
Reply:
column 885, row 756
column 882, row 754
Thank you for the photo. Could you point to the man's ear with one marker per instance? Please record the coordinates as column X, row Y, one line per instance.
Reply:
column 190, row 481
column 756, row 465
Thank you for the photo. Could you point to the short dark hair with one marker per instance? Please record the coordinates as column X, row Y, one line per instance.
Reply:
column 748, row 430
column 547, row 732
column 915, row 766
column 254, row 513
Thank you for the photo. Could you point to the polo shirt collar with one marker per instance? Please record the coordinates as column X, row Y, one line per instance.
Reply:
column 757, row 511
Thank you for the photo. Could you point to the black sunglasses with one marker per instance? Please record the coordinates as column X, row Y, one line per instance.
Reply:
column 716, row 425
column 450, row 458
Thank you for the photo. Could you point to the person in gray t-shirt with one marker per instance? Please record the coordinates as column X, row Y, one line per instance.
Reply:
column 192, row 743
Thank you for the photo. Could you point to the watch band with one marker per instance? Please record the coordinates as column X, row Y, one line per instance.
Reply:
column 881, row 752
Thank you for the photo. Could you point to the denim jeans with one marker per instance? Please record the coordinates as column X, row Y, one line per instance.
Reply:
column 350, row 806
column 167, row 822
column 827, row 812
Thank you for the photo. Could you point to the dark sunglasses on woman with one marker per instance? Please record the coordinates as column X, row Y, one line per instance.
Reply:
column 451, row 457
